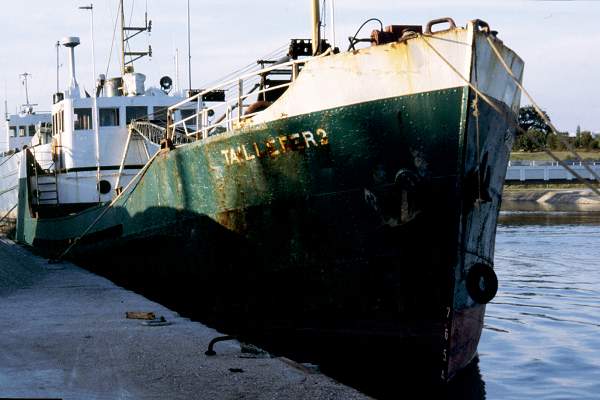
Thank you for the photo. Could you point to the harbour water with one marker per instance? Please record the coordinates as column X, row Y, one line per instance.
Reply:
column 541, row 337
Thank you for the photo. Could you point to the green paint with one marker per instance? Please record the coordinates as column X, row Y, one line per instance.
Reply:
column 415, row 132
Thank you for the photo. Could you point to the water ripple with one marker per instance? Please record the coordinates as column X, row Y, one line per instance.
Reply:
column 541, row 337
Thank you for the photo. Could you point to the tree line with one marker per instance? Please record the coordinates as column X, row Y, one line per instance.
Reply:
column 539, row 135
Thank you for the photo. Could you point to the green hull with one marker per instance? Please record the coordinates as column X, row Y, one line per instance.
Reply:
column 362, row 220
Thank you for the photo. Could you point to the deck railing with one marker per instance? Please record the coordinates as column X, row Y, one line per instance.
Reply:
column 240, row 93
column 548, row 170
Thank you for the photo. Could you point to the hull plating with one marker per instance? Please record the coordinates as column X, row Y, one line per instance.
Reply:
column 359, row 222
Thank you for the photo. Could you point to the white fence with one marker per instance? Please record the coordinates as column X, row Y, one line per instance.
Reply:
column 548, row 171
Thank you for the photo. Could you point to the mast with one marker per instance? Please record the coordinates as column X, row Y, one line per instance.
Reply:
column 25, row 75
column 316, row 27
column 332, row 5
column 6, row 117
column 27, row 108
column 94, row 99
column 177, row 86
column 122, row 38
column 189, row 48
column 128, row 33
column 57, row 67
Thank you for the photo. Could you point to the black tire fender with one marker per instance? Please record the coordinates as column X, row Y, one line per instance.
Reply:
column 482, row 283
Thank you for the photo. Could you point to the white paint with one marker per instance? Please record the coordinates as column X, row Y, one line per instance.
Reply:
column 77, row 150
column 374, row 73
column 26, row 121
column 491, row 77
column 397, row 69
column 80, row 187
column 9, row 180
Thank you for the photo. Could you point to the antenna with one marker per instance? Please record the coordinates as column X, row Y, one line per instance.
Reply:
column 25, row 75
column 6, row 102
column 128, row 33
column 27, row 108
column 332, row 6
column 189, row 48
column 316, row 27
column 94, row 98
column 57, row 67
column 177, row 87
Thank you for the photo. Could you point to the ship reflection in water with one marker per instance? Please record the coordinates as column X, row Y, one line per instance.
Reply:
column 468, row 384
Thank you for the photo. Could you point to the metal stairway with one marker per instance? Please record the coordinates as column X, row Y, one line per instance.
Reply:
column 47, row 189
column 46, row 180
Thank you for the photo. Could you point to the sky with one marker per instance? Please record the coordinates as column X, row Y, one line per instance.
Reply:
column 558, row 40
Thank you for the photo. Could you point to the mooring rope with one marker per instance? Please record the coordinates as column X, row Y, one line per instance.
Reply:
column 8, row 213
column 509, row 120
column 539, row 111
column 108, row 207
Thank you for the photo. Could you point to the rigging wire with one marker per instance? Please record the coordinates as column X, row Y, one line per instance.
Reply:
column 540, row 112
column 130, row 24
column 112, row 43
column 249, row 67
column 148, row 33
column 503, row 114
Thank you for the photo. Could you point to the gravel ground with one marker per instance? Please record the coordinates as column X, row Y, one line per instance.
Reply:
column 64, row 335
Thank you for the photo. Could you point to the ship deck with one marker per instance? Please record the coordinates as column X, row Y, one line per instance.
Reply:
column 65, row 335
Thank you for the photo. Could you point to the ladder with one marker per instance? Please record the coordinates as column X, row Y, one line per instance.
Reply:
column 46, row 183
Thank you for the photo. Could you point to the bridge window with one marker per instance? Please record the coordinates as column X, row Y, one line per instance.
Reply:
column 83, row 118
column 136, row 112
column 160, row 113
column 22, row 131
column 109, row 117
column 31, row 129
column 12, row 131
column 188, row 113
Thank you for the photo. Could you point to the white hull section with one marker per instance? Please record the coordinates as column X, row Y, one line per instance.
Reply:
column 399, row 69
column 76, row 187
column 491, row 78
column 9, row 184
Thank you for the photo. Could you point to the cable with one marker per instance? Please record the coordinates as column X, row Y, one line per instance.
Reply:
column 510, row 121
column 353, row 39
column 112, row 44
column 540, row 112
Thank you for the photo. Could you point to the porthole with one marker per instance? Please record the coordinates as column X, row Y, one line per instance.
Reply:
column 104, row 186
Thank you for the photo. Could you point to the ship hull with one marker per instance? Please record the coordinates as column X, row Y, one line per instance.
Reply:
column 353, row 224
column 9, row 192
column 357, row 230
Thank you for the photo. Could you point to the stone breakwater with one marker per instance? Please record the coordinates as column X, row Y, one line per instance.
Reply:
column 553, row 196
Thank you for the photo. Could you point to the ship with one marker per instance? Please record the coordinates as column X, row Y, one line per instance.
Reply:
column 27, row 127
column 74, row 155
column 339, row 201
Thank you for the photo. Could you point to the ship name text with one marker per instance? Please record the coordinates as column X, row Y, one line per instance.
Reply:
column 275, row 146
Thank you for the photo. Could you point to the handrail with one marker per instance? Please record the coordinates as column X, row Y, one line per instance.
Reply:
column 243, row 77
column 235, row 102
column 207, row 128
column 8, row 213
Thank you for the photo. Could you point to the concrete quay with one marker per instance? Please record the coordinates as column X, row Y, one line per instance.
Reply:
column 64, row 335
